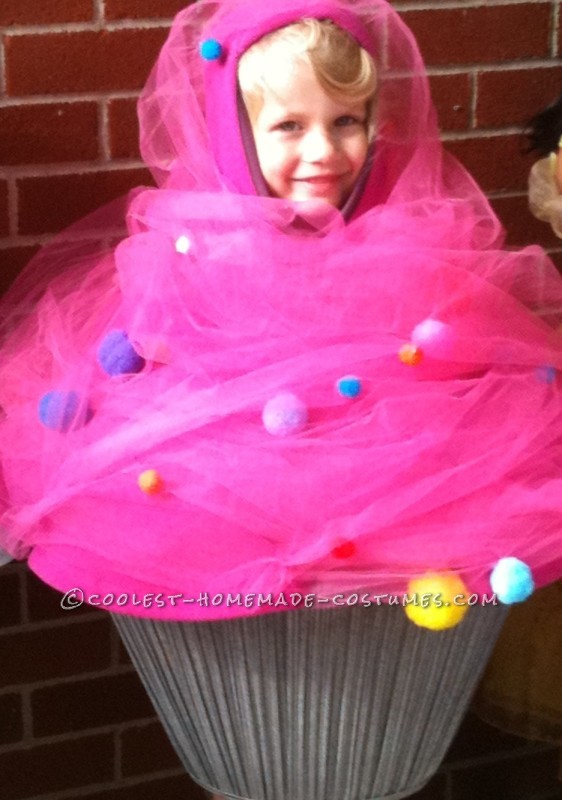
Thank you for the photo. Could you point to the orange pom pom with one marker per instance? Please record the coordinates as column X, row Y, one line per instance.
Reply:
column 150, row 482
column 410, row 354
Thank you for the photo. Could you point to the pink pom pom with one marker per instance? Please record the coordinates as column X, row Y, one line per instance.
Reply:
column 284, row 414
column 435, row 337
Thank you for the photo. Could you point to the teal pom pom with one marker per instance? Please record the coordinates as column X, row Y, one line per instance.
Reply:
column 117, row 356
column 211, row 50
column 512, row 580
column 61, row 411
column 349, row 386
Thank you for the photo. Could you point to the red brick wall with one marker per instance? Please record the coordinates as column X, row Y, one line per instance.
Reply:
column 74, row 718
column 74, row 721
column 70, row 71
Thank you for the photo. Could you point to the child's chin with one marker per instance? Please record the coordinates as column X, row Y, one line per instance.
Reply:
column 330, row 198
column 317, row 211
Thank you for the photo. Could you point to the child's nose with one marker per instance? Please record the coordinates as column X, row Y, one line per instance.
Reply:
column 318, row 145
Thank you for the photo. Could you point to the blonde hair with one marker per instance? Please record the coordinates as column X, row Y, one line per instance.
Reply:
column 341, row 66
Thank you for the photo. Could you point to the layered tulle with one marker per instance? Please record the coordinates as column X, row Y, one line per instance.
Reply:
column 247, row 396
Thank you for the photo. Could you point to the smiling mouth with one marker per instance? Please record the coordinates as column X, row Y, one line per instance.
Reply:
column 320, row 179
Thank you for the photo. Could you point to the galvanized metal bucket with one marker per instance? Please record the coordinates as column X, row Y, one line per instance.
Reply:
column 331, row 704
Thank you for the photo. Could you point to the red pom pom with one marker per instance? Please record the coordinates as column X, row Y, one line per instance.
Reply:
column 344, row 550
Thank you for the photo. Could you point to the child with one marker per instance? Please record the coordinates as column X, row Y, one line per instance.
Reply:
column 309, row 367
column 310, row 113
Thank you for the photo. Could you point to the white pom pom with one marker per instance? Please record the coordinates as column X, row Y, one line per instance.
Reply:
column 183, row 244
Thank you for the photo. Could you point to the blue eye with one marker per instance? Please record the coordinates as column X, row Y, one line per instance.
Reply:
column 288, row 125
column 346, row 120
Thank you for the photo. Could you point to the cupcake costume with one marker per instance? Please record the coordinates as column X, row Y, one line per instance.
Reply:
column 251, row 396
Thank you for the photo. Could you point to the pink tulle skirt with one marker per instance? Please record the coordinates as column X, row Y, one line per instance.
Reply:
column 307, row 412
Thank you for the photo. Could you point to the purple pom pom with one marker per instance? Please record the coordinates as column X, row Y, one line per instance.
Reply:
column 546, row 374
column 62, row 411
column 117, row 356
column 284, row 414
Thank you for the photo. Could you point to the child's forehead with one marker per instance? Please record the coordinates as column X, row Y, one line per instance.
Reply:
column 276, row 54
column 298, row 90
column 280, row 72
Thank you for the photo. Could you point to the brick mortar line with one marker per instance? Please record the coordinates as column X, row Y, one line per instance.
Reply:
column 555, row 29
column 32, row 240
column 107, row 242
column 507, row 194
column 72, row 97
column 526, row 748
column 507, row 66
column 60, row 738
column 473, row 118
column 95, row 166
column 99, row 11
column 2, row 66
column 48, row 624
column 103, row 131
column 165, row 22
column 85, row 27
column 136, row 724
column 432, row 5
column 432, row 71
column 435, row 71
column 481, row 133
column 71, row 168
column 68, row 680
column 13, row 203
column 92, row 789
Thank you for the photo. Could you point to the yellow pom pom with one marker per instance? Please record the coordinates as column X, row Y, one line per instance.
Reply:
column 150, row 482
column 410, row 354
column 437, row 600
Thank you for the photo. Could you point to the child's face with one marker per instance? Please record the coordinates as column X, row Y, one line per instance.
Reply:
column 309, row 146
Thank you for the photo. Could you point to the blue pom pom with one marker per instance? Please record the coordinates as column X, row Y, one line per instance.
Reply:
column 349, row 386
column 117, row 356
column 210, row 50
column 61, row 411
column 512, row 580
column 546, row 374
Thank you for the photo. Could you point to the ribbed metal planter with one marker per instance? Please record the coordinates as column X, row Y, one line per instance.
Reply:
column 339, row 704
